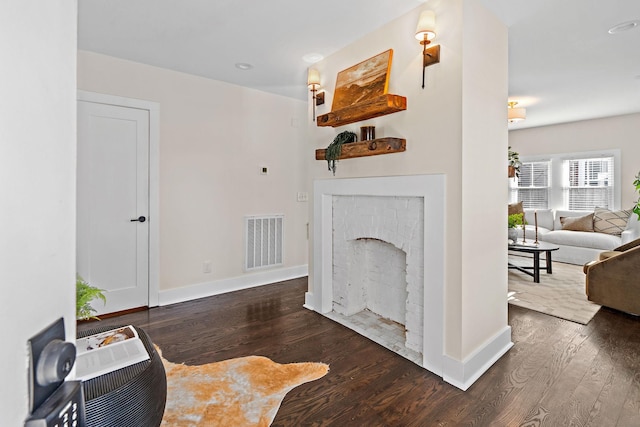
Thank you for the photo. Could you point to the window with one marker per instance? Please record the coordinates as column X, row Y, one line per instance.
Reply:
column 588, row 183
column 572, row 181
column 531, row 187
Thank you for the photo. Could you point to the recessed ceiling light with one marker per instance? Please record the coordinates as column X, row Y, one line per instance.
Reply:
column 625, row 26
column 312, row 58
column 243, row 66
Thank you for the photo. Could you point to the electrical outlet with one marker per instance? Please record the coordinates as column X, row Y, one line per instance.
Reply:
column 206, row 267
column 303, row 196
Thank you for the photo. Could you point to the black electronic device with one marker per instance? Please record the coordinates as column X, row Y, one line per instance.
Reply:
column 64, row 408
column 53, row 402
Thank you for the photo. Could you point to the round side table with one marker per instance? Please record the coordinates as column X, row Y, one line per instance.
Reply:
column 133, row 396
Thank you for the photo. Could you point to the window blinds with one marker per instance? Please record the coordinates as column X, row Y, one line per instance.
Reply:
column 532, row 185
column 588, row 183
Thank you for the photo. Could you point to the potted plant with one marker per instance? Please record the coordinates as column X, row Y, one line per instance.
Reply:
column 515, row 221
column 636, row 208
column 85, row 293
column 514, row 163
column 335, row 148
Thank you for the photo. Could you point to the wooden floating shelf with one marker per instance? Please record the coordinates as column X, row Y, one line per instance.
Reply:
column 373, row 147
column 376, row 107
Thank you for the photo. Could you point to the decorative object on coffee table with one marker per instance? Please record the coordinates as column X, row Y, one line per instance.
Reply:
column 514, row 221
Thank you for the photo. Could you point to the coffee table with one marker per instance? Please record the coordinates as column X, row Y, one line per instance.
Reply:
column 535, row 250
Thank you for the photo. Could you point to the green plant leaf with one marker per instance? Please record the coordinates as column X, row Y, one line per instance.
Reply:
column 515, row 220
column 85, row 293
column 335, row 148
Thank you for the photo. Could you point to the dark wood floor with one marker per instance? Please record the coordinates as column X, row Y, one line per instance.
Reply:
column 558, row 373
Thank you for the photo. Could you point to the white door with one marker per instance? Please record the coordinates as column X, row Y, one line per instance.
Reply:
column 113, row 203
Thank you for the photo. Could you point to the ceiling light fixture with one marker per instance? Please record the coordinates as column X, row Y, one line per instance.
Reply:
column 243, row 66
column 425, row 32
column 313, row 82
column 514, row 114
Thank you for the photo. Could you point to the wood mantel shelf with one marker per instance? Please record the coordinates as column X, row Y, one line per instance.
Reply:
column 376, row 107
column 372, row 147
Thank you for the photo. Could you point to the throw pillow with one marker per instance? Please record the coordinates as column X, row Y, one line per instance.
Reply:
column 516, row 208
column 609, row 222
column 577, row 223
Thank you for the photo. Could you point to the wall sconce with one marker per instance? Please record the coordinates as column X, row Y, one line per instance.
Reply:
column 313, row 82
column 425, row 32
column 515, row 114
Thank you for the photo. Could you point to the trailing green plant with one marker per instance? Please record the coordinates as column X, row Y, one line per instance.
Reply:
column 636, row 208
column 514, row 161
column 85, row 293
column 335, row 148
column 516, row 220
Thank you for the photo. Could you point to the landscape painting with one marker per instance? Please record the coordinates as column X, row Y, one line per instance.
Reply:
column 366, row 80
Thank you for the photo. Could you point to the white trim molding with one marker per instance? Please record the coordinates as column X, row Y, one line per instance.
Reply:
column 154, row 177
column 463, row 374
column 217, row 287
column 431, row 188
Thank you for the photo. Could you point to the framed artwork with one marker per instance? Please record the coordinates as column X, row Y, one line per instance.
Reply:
column 363, row 81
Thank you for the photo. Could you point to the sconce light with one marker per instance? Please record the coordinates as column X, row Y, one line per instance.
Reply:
column 515, row 114
column 425, row 32
column 313, row 82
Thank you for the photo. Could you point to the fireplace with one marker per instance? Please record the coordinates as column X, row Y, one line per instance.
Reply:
column 378, row 261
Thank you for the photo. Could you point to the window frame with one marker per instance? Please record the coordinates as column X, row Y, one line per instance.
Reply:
column 557, row 185
column 515, row 187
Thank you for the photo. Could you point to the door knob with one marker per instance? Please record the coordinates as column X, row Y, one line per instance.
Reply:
column 139, row 219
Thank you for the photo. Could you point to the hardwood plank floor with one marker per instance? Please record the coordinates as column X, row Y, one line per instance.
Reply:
column 558, row 373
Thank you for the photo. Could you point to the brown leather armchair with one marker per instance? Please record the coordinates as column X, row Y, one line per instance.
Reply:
column 614, row 279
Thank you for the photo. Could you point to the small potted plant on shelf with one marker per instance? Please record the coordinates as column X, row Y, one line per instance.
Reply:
column 335, row 148
column 85, row 293
column 514, row 163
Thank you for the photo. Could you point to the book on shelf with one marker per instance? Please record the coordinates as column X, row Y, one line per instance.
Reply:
column 108, row 351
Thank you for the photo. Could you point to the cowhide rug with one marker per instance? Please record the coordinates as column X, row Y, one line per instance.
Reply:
column 238, row 392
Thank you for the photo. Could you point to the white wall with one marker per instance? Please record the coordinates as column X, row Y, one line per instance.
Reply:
column 37, row 184
column 455, row 126
column 214, row 137
column 620, row 132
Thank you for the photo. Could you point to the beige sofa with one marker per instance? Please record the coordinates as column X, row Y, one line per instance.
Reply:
column 575, row 247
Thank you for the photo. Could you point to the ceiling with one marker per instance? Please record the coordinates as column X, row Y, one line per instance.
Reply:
column 563, row 64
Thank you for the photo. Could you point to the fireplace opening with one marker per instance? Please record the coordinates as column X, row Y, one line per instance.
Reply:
column 376, row 280
column 377, row 286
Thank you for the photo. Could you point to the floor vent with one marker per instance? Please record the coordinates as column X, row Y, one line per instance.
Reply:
column 264, row 235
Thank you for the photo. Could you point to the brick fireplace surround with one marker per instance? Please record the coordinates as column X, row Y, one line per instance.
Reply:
column 378, row 262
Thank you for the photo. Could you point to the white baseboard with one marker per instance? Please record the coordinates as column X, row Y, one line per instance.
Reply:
column 308, row 301
column 216, row 287
column 464, row 374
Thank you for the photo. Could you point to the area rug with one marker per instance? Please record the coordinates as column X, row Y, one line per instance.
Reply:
column 560, row 294
column 239, row 392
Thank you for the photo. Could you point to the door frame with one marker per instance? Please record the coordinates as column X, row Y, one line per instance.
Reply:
column 154, row 178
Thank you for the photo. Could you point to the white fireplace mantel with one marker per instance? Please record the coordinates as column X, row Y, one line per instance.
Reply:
column 431, row 189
